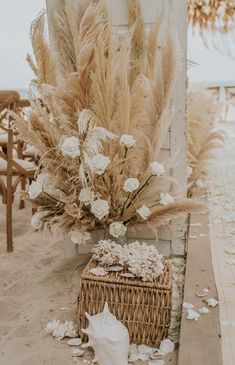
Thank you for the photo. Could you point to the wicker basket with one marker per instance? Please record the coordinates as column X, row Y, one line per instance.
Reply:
column 145, row 308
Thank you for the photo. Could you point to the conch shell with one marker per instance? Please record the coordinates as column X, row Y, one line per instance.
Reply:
column 108, row 337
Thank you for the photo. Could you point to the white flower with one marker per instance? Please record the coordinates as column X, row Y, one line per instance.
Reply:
column 99, row 163
column 79, row 237
column 157, row 169
column 43, row 179
column 35, row 189
column 86, row 196
column 117, row 229
column 144, row 212
column 166, row 199
column 100, row 208
column 127, row 141
column 37, row 220
column 70, row 147
column 189, row 171
column 131, row 184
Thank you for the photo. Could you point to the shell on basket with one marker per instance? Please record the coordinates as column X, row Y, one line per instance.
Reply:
column 108, row 337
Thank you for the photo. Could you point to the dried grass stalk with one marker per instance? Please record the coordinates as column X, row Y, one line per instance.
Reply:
column 203, row 139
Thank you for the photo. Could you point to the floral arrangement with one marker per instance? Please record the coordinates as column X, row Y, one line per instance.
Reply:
column 215, row 14
column 102, row 104
column 203, row 137
column 141, row 260
column 214, row 19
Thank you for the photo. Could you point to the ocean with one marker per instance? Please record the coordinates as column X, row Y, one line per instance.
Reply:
column 23, row 93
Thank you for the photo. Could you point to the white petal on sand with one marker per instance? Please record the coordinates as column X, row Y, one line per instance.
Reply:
column 212, row 302
column 77, row 352
column 166, row 347
column 195, row 224
column 203, row 310
column 156, row 362
column 188, row 305
column 74, row 342
column 192, row 315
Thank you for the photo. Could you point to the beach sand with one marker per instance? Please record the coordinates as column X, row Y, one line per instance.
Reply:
column 39, row 278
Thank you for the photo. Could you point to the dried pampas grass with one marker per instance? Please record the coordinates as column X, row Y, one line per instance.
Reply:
column 203, row 139
column 214, row 19
column 108, row 85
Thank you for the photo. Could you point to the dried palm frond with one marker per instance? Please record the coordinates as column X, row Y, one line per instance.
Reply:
column 203, row 140
column 109, row 85
column 44, row 65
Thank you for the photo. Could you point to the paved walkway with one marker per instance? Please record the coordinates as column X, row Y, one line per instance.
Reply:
column 221, row 198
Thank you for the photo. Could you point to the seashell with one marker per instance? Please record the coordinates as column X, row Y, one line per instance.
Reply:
column 77, row 352
column 192, row 315
column 206, row 290
column 166, row 347
column 99, row 271
column 108, row 337
column 114, row 268
column 188, row 305
column 203, row 310
column 74, row 342
column 212, row 302
column 127, row 275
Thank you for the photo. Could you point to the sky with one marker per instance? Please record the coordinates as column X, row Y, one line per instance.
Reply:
column 15, row 19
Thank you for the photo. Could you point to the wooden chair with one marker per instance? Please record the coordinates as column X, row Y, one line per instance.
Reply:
column 12, row 170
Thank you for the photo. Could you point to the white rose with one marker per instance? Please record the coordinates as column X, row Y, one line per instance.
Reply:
column 157, row 169
column 37, row 220
column 166, row 199
column 100, row 208
column 189, row 171
column 86, row 196
column 70, row 147
column 43, row 178
column 144, row 212
column 131, row 184
column 80, row 237
column 99, row 163
column 117, row 229
column 127, row 141
column 35, row 189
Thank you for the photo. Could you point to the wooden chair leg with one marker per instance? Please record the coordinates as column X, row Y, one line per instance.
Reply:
column 23, row 187
column 9, row 220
